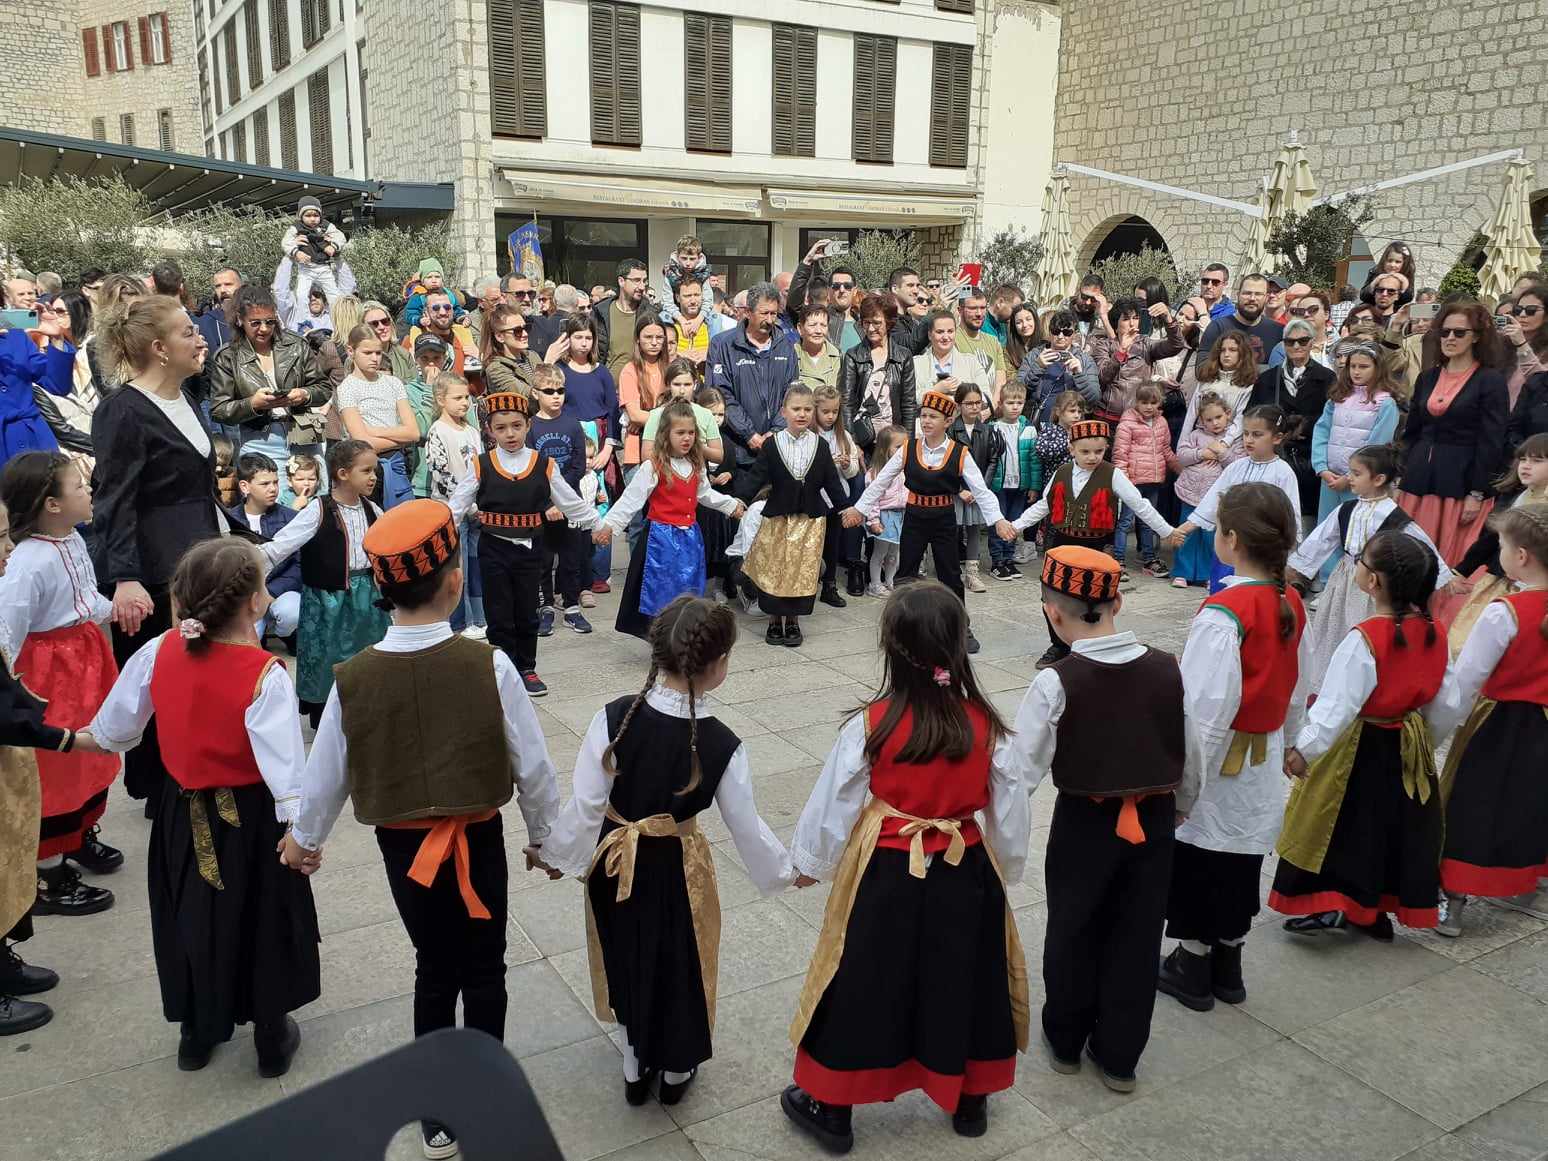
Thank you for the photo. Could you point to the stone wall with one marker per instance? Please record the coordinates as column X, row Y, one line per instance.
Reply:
column 1202, row 96
column 40, row 85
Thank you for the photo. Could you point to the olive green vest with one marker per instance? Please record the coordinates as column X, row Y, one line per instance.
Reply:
column 425, row 732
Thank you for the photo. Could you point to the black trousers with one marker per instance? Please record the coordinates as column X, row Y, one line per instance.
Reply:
column 512, row 575
column 935, row 529
column 144, row 772
column 1053, row 539
column 1106, row 904
column 454, row 954
column 569, row 548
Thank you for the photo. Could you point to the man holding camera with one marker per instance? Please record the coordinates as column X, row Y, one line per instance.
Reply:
column 843, row 326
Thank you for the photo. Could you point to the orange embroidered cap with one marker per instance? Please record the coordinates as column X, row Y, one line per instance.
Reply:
column 1083, row 573
column 1091, row 429
column 410, row 541
column 506, row 401
column 939, row 401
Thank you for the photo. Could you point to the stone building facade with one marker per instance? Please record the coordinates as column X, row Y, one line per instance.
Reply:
column 1202, row 96
column 80, row 68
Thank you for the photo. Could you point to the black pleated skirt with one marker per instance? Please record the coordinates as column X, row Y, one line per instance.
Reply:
column 247, row 953
column 921, row 998
column 1497, row 819
column 1214, row 894
column 1384, row 854
column 719, row 530
column 651, row 956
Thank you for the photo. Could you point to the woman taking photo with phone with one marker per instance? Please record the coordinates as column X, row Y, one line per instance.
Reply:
column 35, row 353
column 1520, row 324
column 1058, row 366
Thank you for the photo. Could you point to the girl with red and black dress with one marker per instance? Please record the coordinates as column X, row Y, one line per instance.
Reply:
column 918, row 980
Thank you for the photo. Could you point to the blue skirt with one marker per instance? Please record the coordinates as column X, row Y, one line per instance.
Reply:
column 1195, row 561
column 335, row 625
column 892, row 526
column 669, row 563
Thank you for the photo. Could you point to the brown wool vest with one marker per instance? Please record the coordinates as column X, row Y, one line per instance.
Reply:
column 426, row 732
column 1122, row 727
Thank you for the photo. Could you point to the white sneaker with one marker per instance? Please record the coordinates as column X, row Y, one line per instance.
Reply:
column 876, row 590
column 970, row 579
column 476, row 633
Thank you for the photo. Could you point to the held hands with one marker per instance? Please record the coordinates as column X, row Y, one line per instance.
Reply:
column 755, row 442
column 602, row 535
column 1470, row 509
column 875, row 527
column 295, row 856
column 965, row 496
column 1295, row 765
column 1005, row 530
column 131, row 605
column 851, row 518
column 553, row 514
column 86, row 743
column 536, row 863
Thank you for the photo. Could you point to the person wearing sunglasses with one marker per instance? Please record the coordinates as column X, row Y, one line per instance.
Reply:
column 509, row 363
column 1386, row 294
column 439, row 319
column 1521, row 327
column 1310, row 306
column 1298, row 386
column 843, row 316
column 1213, row 280
column 1058, row 365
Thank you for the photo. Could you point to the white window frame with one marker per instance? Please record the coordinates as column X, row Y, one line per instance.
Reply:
column 120, row 44
column 158, row 42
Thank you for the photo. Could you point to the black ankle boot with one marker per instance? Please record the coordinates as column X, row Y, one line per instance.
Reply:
column 96, row 856
column 830, row 1124
column 1225, row 973
column 18, row 978
column 276, row 1046
column 636, row 1091
column 856, row 585
column 192, row 1053
column 61, row 892
column 972, row 1116
column 1185, row 977
column 18, row 1016
column 830, row 596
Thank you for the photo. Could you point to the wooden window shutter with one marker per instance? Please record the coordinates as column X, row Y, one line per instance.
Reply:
column 707, row 81
column 614, row 48
column 308, row 23
column 239, row 142
column 795, row 91
column 322, row 121
column 279, row 33
column 127, row 64
column 518, row 85
column 99, row 128
column 261, row 137
column 146, row 55
column 965, row 6
column 166, row 36
column 875, row 103
column 126, row 128
column 951, row 82
column 93, row 57
column 289, row 157
column 229, row 51
column 254, row 44
column 109, row 54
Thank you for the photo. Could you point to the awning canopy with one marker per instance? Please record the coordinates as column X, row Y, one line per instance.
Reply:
column 925, row 209
column 179, row 182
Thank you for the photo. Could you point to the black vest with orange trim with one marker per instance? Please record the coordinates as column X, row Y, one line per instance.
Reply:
column 1522, row 673
column 1092, row 515
column 932, row 488
column 512, row 506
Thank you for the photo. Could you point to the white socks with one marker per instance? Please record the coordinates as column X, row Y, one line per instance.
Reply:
column 631, row 1065
column 1194, row 947
column 50, row 863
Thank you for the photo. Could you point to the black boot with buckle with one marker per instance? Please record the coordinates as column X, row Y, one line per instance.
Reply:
column 830, row 1124
column 61, row 892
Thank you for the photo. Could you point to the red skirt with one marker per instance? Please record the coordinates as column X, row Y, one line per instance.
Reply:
column 1441, row 518
column 72, row 670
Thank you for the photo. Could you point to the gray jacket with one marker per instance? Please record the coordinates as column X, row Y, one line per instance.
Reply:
column 1044, row 384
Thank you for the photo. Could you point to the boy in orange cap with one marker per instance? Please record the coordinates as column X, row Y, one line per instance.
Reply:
column 427, row 733
column 1110, row 843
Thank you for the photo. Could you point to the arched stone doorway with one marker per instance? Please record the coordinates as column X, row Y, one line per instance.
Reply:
column 1125, row 236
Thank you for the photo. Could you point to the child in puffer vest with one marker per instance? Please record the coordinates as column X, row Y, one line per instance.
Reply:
column 1143, row 449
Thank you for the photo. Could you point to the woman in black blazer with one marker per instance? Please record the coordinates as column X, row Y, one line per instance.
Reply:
column 1530, row 416
column 1455, row 435
column 1298, row 387
column 886, row 360
column 153, row 486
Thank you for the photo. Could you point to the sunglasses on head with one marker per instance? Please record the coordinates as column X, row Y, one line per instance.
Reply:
column 1455, row 332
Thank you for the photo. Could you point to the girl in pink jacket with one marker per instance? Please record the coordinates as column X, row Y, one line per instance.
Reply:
column 1143, row 450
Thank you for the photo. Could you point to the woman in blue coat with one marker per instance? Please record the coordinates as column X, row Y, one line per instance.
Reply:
column 22, row 363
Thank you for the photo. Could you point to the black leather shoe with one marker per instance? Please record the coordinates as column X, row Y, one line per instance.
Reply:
column 856, row 581
column 972, row 642
column 277, row 1047
column 1315, row 924
column 793, row 635
column 95, row 855
column 830, row 1124
column 1225, row 973
column 1185, row 977
column 18, row 978
column 635, row 1091
column 670, row 1094
column 830, row 596
column 192, row 1055
column 18, row 1016
column 972, row 1116
column 61, row 892
column 776, row 631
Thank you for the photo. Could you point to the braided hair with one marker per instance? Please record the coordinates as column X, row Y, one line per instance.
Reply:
column 926, row 672
column 29, row 481
column 1526, row 527
column 1408, row 570
column 686, row 638
column 213, row 583
column 1265, row 526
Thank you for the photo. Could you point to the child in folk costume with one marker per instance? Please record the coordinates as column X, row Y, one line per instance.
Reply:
column 339, row 616
column 918, row 980
column 235, row 933
column 22, row 730
column 672, row 481
column 427, row 733
column 1362, row 832
column 54, row 616
column 840, row 545
column 1263, row 430
column 1246, row 649
column 717, row 528
column 1080, row 502
column 1110, row 844
column 1371, row 473
column 785, row 560
column 937, row 470
column 1496, row 812
column 648, row 766
column 1525, row 482
column 513, row 487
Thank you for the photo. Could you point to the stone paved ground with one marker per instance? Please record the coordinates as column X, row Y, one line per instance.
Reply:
column 1428, row 1049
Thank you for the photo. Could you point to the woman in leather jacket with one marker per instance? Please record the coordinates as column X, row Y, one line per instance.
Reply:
column 876, row 376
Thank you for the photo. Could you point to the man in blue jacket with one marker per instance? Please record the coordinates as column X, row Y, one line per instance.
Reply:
column 261, row 513
column 751, row 366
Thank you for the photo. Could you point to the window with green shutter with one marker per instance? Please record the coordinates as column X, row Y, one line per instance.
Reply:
column 614, row 50
column 254, row 44
column 951, row 84
column 875, row 99
column 289, row 154
column 795, row 91
column 321, row 116
column 707, row 82
column 518, row 78
column 279, row 33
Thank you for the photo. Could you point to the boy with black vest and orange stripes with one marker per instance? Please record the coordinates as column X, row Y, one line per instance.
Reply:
column 938, row 471
column 1081, row 504
column 1110, row 843
column 513, row 487
column 427, row 733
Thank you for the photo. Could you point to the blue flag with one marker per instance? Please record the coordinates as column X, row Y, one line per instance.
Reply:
column 526, row 252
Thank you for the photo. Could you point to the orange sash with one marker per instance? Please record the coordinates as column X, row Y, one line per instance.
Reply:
column 447, row 837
